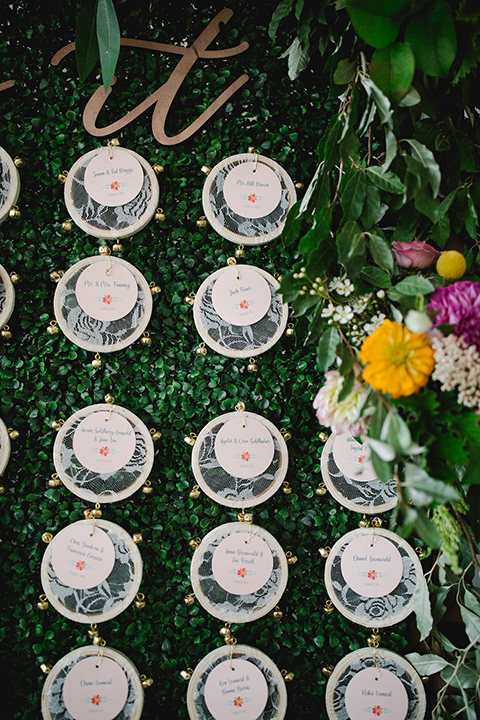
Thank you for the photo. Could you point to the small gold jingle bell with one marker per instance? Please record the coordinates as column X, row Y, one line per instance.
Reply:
column 288, row 676
column 104, row 250
column 286, row 434
column 13, row 434
column 252, row 366
column 137, row 538
column 324, row 552
column 364, row 522
column 374, row 639
column 115, row 142
column 43, row 603
column 62, row 177
column 15, row 277
column 146, row 681
column 98, row 641
column 245, row 517
column 46, row 668
column 157, row 168
column 140, row 601
column 186, row 674
column 201, row 350
column 321, row 489
column 194, row 543
column 277, row 613
column 18, row 161
column 146, row 339
column 56, row 276
column 190, row 439
column 156, row 434
column 205, row 169
column 421, row 552
column 57, row 424
column 91, row 513
column 287, row 490
column 327, row 670
column 290, row 331
column 377, row 522
column 299, row 185
column 201, row 222
column 52, row 329
column 159, row 215
column 291, row 559
column 240, row 252
column 15, row 213
column 190, row 299
column 328, row 607
column 97, row 361
column 154, row 288
column 93, row 631
column 47, row 537
column 147, row 489
column 194, row 493
column 67, row 225
column 225, row 631
column 109, row 399
column 54, row 481
column 117, row 247
column 2, row 489
column 5, row 333
column 323, row 436
column 189, row 599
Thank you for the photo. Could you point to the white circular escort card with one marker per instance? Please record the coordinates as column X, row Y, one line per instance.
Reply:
column 106, row 291
column 95, row 686
column 351, row 458
column 242, row 564
column 83, row 557
column 372, row 566
column 252, row 190
column 244, row 451
column 104, row 442
column 236, row 689
column 375, row 693
column 113, row 178
column 241, row 296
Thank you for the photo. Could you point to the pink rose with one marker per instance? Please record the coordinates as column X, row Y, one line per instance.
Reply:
column 415, row 254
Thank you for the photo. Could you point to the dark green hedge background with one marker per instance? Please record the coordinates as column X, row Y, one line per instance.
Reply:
column 44, row 378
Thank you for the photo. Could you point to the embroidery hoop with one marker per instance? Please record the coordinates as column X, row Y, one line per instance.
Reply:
column 59, row 307
column 275, row 681
column 243, row 611
column 411, row 565
column 362, row 489
column 202, row 315
column 124, row 546
column 206, row 437
column 140, row 212
column 216, row 208
column 7, row 290
column 365, row 658
column 12, row 184
column 72, row 480
column 5, row 447
column 74, row 657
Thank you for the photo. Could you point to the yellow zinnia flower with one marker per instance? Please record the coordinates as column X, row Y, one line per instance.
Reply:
column 396, row 361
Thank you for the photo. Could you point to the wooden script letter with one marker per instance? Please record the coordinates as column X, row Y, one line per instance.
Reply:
column 163, row 97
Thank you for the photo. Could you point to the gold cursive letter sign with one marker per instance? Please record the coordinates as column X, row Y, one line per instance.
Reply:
column 164, row 96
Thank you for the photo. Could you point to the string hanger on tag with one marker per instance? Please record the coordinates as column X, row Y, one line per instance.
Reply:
column 241, row 407
column 109, row 399
column 376, row 523
column 254, row 150
column 99, row 658
column 110, row 146
column 231, row 261
column 375, row 662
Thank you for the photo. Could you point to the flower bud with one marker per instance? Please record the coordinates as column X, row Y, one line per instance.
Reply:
column 418, row 322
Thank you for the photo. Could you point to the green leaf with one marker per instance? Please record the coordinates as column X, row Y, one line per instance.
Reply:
column 392, row 69
column 422, row 608
column 391, row 148
column 427, row 160
column 282, row 10
column 377, row 277
column 351, row 247
column 331, row 150
column 315, row 326
column 298, row 59
column 414, row 285
column 344, row 73
column 381, row 252
column 417, row 521
column 86, row 43
column 383, row 469
column 410, row 99
column 472, row 622
column 381, row 101
column 327, row 348
column 470, row 217
column 426, row 664
column 398, row 434
column 386, row 180
column 320, row 230
column 377, row 23
column 472, row 470
column 424, row 490
column 353, row 195
column 293, row 225
column 347, row 386
column 431, row 35
column 108, row 35
column 371, row 207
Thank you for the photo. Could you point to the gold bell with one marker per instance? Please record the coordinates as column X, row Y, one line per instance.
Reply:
column 137, row 538
column 240, row 252
column 109, row 399
column 277, row 613
column 97, row 640
column 93, row 631
column 15, row 213
column 18, row 161
column 5, row 333
column 225, row 632
column 201, row 222
column 156, row 434
column 323, row 436
column 291, row 559
column 62, row 177
column 287, row 490
column 157, row 168
column 245, row 517
column 327, row 670
column 377, row 522
column 328, row 607
column 57, row 424
column 96, row 512
column 56, row 276
column 147, row 489
column 104, row 250
column 159, row 215
column 189, row 599
column 194, row 543
column 67, row 225
column 155, row 289
column 364, row 522
column 146, row 339
column 43, row 603
column 201, row 350
column 15, row 277
column 52, row 329
column 2, row 489
column 190, row 299
column 146, row 681
column 252, row 149
column 117, row 247
column 186, row 674
column 324, row 552
column 286, row 435
column 321, row 489
column 252, row 366
column 47, row 537
column 54, row 481
column 421, row 552
column 194, row 492
column 115, row 142
column 290, row 331
column 45, row 668
column 97, row 361
column 299, row 185
column 190, row 439
column 374, row 639
column 288, row 676
column 205, row 169
column 140, row 601
column 13, row 434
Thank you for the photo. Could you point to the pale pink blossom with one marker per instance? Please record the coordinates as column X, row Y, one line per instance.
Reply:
column 415, row 254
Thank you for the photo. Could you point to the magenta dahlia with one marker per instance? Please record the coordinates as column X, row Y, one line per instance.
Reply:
column 458, row 305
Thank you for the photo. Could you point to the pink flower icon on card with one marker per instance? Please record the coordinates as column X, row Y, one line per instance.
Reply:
column 377, row 710
column 372, row 574
column 246, row 456
column 81, row 565
column 361, row 459
column 107, row 299
column 115, row 185
column 242, row 572
column 252, row 198
column 104, row 451
column 96, row 700
column 244, row 304
column 238, row 701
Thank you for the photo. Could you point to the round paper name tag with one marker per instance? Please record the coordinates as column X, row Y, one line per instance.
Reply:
column 252, row 190
column 95, row 687
column 241, row 296
column 244, row 452
column 236, row 689
column 106, row 291
column 372, row 570
column 242, row 563
column 114, row 180
column 104, row 442
column 80, row 559
column 375, row 693
column 351, row 458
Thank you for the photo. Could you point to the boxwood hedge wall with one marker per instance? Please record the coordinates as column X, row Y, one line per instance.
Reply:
column 44, row 378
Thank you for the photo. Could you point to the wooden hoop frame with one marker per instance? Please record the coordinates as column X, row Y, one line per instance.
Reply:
column 9, row 303
column 5, row 447
column 14, row 190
